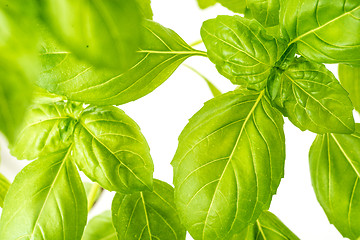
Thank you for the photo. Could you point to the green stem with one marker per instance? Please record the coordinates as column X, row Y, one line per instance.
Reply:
column 93, row 195
column 197, row 42
column 214, row 90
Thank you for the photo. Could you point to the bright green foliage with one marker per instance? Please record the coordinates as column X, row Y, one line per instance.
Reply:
column 47, row 128
column 349, row 77
column 237, row 6
column 78, row 24
column 325, row 31
column 309, row 94
column 228, row 164
column 265, row 11
column 241, row 49
column 162, row 52
column 18, row 63
column 267, row 227
column 145, row 8
column 4, row 186
column 46, row 201
column 147, row 215
column 335, row 173
column 110, row 149
column 100, row 227
column 206, row 3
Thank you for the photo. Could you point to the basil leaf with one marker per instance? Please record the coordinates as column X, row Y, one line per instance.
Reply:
column 47, row 128
column 310, row 94
column 228, row 164
column 78, row 24
column 237, row 6
column 162, row 52
column 268, row 226
column 147, row 215
column 18, row 63
column 265, row 11
column 100, row 227
column 4, row 186
column 145, row 8
column 325, row 31
column 335, row 173
column 349, row 77
column 206, row 3
column 241, row 49
column 110, row 149
column 46, row 201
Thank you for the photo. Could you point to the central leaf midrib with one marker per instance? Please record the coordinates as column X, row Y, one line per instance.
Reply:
column 231, row 155
column 112, row 153
column 316, row 100
column 320, row 27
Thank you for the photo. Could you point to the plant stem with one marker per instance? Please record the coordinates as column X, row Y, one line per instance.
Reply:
column 93, row 195
column 214, row 90
column 197, row 42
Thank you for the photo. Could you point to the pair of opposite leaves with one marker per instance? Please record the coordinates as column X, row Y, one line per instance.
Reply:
column 47, row 198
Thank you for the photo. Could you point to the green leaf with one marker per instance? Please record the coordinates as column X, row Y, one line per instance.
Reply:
column 206, row 3
column 4, row 186
column 335, row 173
column 18, row 63
column 110, row 149
column 104, row 33
column 162, row 52
column 100, row 227
column 265, row 11
column 46, row 201
column 349, row 77
column 237, row 6
column 145, row 8
column 228, row 164
column 325, row 31
column 47, row 128
column 312, row 99
column 147, row 215
column 241, row 49
column 267, row 227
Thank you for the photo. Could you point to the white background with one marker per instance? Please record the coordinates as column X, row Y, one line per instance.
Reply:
column 164, row 113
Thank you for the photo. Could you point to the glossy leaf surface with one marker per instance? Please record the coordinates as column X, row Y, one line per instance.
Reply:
column 78, row 24
column 313, row 99
column 100, row 227
column 265, row 11
column 349, row 77
column 267, row 227
column 162, row 52
column 18, row 63
column 147, row 215
column 46, row 201
column 110, row 149
column 241, row 49
column 228, row 164
column 47, row 128
column 325, row 31
column 4, row 186
column 335, row 173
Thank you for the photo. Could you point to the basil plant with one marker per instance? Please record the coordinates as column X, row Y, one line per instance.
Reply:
column 65, row 66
